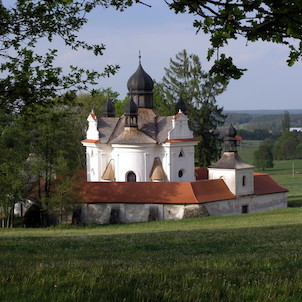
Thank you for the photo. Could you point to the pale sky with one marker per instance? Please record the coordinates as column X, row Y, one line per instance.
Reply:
column 160, row 34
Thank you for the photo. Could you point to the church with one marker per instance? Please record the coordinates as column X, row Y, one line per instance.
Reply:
column 140, row 167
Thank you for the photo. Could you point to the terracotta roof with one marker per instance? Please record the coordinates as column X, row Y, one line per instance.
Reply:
column 155, row 192
column 138, row 192
column 264, row 184
column 91, row 141
column 211, row 190
column 201, row 173
column 164, row 192
column 178, row 115
column 182, row 140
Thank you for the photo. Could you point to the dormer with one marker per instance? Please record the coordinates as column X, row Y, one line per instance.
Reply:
column 180, row 127
column 92, row 132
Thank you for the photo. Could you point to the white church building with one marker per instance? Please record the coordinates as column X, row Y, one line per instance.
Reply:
column 140, row 167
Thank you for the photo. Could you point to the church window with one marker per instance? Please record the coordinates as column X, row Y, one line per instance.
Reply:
column 180, row 173
column 243, row 181
column 181, row 153
column 131, row 177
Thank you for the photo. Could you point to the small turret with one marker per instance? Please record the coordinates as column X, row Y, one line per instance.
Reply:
column 92, row 132
column 181, row 105
column 109, row 110
column 131, row 114
column 230, row 141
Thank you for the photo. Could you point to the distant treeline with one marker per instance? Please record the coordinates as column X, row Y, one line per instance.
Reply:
column 257, row 134
column 270, row 122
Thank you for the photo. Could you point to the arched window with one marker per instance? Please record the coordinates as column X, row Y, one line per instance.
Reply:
column 180, row 173
column 131, row 177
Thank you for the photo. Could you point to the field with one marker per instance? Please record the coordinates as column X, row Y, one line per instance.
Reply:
column 287, row 173
column 255, row 257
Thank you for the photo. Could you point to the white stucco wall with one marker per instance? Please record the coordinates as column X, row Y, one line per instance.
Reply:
column 180, row 128
column 255, row 203
column 234, row 179
column 173, row 163
column 136, row 158
column 100, row 213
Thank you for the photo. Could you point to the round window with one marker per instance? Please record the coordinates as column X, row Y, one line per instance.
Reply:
column 180, row 173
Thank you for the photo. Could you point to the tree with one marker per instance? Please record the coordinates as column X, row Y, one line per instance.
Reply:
column 286, row 121
column 286, row 146
column 263, row 157
column 28, row 77
column 185, row 79
column 36, row 95
column 267, row 20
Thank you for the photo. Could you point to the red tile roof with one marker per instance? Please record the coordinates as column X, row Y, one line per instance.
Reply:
column 199, row 191
column 264, row 184
column 182, row 140
column 201, row 173
column 91, row 141
column 176, row 116
column 154, row 192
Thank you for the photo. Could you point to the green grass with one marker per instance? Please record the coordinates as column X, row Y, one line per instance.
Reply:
column 254, row 257
column 287, row 173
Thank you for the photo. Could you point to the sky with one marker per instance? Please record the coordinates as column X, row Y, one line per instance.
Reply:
column 159, row 34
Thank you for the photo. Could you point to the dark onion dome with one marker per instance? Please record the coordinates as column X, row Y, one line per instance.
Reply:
column 131, row 112
column 181, row 105
column 230, row 142
column 109, row 110
column 140, row 81
column 231, row 131
column 140, row 86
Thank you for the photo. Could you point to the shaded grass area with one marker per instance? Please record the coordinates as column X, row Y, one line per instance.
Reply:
column 208, row 259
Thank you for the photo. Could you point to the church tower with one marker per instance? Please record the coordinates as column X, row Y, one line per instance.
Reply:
column 237, row 174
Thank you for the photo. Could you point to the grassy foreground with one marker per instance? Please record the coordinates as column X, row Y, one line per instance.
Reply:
column 254, row 257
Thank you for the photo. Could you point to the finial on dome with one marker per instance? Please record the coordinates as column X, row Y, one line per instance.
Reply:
column 139, row 57
column 230, row 142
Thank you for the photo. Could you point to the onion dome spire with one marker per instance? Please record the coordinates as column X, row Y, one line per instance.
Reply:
column 181, row 105
column 140, row 86
column 230, row 142
column 131, row 113
column 109, row 110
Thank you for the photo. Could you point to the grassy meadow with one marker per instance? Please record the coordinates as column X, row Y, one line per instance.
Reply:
column 254, row 257
column 287, row 173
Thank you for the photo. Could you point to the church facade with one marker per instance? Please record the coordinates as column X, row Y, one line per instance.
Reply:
column 140, row 167
column 141, row 145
